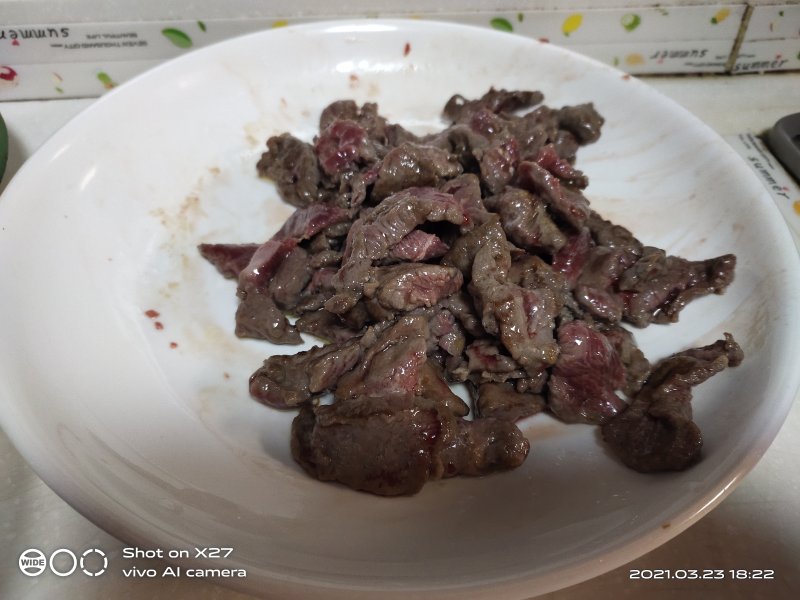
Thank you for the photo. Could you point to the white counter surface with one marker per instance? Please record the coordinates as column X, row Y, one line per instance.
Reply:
column 756, row 527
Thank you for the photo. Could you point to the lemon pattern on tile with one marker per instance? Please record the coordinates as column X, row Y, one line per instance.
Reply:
column 571, row 24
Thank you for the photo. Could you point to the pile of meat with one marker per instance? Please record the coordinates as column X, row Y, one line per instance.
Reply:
column 466, row 256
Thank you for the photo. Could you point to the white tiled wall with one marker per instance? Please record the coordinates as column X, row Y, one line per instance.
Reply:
column 69, row 48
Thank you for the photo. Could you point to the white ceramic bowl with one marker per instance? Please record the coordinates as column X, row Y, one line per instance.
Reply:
column 151, row 433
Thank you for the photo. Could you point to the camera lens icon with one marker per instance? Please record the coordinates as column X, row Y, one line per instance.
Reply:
column 32, row 562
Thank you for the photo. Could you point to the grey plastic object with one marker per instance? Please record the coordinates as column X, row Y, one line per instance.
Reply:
column 784, row 141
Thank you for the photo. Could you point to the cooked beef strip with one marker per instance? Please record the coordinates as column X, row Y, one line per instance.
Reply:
column 395, row 424
column 502, row 401
column 368, row 446
column 565, row 201
column 522, row 318
column 306, row 222
column 412, row 165
column 257, row 316
column 656, row 432
column 466, row 190
column 583, row 384
column 229, row 259
column 583, row 121
column 292, row 165
column 657, row 286
column 286, row 381
column 525, row 221
column 637, row 367
column 497, row 101
column 342, row 147
column 464, row 248
column 407, row 286
column 371, row 237
column 291, row 278
column 457, row 256
column 419, row 246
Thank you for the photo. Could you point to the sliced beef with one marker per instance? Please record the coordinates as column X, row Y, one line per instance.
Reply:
column 466, row 255
column 291, row 278
column 583, row 384
column 658, row 286
column 502, row 401
column 413, row 165
column 526, row 222
column 656, row 432
column 522, row 318
column 583, row 121
column 286, row 381
column 292, row 165
column 229, row 259
column 257, row 316
column 343, row 146
column 466, row 190
column 408, row 286
column 371, row 447
column 496, row 101
column 565, row 201
column 419, row 246
column 371, row 237
column 307, row 222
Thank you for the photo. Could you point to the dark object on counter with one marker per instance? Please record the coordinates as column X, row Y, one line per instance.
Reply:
column 3, row 147
column 784, row 142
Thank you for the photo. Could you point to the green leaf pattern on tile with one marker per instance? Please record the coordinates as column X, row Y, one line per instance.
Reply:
column 106, row 80
column 501, row 24
column 177, row 37
column 201, row 26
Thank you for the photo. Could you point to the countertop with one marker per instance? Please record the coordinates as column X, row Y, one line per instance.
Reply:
column 756, row 527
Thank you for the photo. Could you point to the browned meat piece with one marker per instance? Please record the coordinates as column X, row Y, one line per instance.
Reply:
column 258, row 317
column 637, row 367
column 407, row 286
column 264, row 263
column 307, row 222
column 582, row 387
column 583, row 121
column 657, row 287
column 535, row 129
column 463, row 250
column 391, row 364
column 570, row 260
column 501, row 401
column 419, row 246
column 229, row 259
column 372, row 236
column 325, row 325
column 594, row 288
column 565, row 201
column 468, row 255
column 526, row 222
column 497, row 101
column 656, row 432
column 466, row 190
column 412, row 165
column 522, row 318
column 489, row 363
column 548, row 159
column 292, row 165
column 291, row 278
column 344, row 146
column 371, row 447
column 395, row 424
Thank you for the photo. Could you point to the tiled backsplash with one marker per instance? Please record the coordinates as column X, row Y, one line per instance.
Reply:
column 65, row 49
